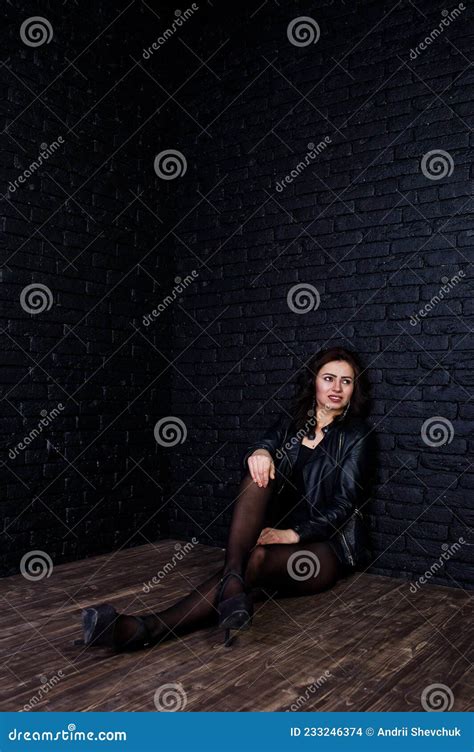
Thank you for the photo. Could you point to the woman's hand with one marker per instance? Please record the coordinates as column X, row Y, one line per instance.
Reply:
column 261, row 467
column 272, row 535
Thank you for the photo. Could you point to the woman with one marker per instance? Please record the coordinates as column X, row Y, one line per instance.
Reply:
column 319, row 456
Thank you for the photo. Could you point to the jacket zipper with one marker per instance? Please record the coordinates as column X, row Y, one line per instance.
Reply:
column 348, row 552
column 283, row 483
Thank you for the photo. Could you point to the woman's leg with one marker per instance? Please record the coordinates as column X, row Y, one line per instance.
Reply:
column 199, row 607
column 273, row 571
column 291, row 569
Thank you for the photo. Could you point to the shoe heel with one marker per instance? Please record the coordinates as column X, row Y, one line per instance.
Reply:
column 236, row 612
column 229, row 638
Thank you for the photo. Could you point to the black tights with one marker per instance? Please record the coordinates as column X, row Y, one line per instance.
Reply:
column 277, row 569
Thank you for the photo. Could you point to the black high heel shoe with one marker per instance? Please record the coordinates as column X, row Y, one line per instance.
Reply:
column 235, row 612
column 99, row 622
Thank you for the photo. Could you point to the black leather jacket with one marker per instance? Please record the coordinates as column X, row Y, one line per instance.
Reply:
column 336, row 480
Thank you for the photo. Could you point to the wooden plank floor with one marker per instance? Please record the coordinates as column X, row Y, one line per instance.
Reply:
column 366, row 644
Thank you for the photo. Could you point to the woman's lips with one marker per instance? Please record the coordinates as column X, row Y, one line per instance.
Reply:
column 335, row 399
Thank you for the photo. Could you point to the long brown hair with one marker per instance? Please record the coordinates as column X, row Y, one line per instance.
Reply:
column 303, row 400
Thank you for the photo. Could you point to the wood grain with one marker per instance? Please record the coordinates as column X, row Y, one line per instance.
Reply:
column 366, row 644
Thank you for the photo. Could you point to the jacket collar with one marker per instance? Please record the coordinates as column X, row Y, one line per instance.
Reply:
column 337, row 420
column 294, row 442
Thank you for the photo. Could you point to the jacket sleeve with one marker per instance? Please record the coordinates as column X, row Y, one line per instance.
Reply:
column 352, row 479
column 271, row 440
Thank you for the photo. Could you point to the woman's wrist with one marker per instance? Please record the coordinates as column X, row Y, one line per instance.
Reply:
column 296, row 534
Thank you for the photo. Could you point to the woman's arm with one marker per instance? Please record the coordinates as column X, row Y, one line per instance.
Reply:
column 271, row 440
column 353, row 476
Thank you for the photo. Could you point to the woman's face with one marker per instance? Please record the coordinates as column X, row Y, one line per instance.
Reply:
column 334, row 379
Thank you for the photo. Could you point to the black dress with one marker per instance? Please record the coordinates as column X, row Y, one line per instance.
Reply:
column 297, row 506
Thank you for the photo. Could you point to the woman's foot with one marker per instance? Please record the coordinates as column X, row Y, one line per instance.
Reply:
column 134, row 632
column 103, row 626
column 235, row 611
column 232, row 585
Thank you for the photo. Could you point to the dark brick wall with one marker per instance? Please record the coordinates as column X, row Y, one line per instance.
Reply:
column 83, row 226
column 363, row 223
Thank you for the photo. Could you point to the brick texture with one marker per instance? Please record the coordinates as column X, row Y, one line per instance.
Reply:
column 368, row 222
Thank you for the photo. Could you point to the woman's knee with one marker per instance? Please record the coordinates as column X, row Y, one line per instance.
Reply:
column 247, row 479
